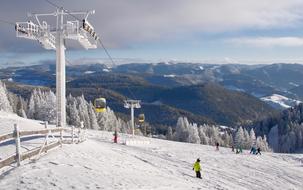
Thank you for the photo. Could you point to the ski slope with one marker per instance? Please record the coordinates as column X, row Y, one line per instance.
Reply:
column 100, row 164
column 280, row 102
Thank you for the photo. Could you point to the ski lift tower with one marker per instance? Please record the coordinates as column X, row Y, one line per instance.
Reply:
column 53, row 38
column 132, row 104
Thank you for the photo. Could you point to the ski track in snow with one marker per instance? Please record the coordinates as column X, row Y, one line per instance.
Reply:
column 99, row 164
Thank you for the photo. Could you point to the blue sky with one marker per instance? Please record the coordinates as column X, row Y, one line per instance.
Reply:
column 208, row 31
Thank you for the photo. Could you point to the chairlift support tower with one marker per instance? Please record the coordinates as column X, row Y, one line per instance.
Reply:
column 132, row 104
column 53, row 38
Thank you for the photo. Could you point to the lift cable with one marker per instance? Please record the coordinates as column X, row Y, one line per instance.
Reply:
column 99, row 40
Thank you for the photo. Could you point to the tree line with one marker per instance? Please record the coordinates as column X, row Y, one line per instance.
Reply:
column 42, row 106
column 212, row 134
column 284, row 130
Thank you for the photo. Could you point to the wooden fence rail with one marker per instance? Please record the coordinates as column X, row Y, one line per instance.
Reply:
column 16, row 135
column 6, row 137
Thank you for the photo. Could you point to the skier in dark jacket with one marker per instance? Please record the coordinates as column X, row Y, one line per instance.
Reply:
column 197, row 168
column 253, row 150
column 217, row 146
column 258, row 151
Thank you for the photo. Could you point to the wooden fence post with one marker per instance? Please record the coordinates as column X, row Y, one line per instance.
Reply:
column 73, row 134
column 17, row 140
column 46, row 138
column 79, row 135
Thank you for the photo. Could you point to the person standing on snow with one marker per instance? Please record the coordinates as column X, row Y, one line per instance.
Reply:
column 253, row 150
column 258, row 151
column 197, row 168
column 115, row 136
column 217, row 146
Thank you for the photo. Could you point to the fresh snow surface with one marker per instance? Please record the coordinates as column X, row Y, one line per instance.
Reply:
column 105, row 70
column 169, row 76
column 7, row 121
column 89, row 72
column 225, row 127
column 280, row 102
column 100, row 164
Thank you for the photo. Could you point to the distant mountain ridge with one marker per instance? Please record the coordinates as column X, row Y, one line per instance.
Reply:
column 164, row 83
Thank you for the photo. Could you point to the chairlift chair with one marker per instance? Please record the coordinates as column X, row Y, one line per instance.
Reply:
column 141, row 118
column 100, row 105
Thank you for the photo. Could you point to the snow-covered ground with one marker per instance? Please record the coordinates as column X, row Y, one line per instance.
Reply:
column 100, row 164
column 7, row 121
column 280, row 102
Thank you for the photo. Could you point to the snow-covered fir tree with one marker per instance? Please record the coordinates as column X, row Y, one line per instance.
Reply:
column 83, row 111
column 169, row 135
column 21, row 107
column 203, row 138
column 252, row 137
column 182, row 130
column 42, row 106
column 4, row 100
column 93, row 118
column 193, row 135
column 73, row 117
column 239, row 138
column 211, row 134
column 284, row 130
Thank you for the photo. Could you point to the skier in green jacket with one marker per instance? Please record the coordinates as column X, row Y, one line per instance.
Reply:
column 197, row 168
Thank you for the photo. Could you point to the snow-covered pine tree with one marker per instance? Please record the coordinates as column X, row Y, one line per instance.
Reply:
column 169, row 134
column 20, row 107
column 13, row 101
column 92, row 116
column 216, row 138
column 4, row 101
column 239, row 138
column 83, row 111
column 193, row 134
column 46, row 106
column 203, row 137
column 262, row 144
column 247, row 140
column 74, row 118
column 49, row 107
column 209, row 131
column 252, row 137
column 31, row 111
column 265, row 143
column 109, row 122
column 182, row 132
column 227, row 139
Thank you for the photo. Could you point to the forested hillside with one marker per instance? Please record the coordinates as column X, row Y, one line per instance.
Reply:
column 284, row 130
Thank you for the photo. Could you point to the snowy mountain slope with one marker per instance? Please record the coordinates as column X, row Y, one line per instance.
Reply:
column 280, row 102
column 7, row 121
column 99, row 164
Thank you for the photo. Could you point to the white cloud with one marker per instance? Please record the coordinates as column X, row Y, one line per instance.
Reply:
column 123, row 23
column 268, row 41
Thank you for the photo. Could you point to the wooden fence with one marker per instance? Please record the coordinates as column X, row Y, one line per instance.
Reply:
column 74, row 136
